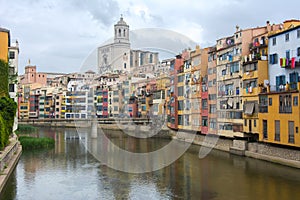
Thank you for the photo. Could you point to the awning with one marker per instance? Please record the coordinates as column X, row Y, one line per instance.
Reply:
column 249, row 108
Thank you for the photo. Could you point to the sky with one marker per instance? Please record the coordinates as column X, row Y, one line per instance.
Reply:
column 58, row 35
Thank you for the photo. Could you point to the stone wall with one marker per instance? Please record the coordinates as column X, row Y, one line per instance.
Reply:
column 269, row 150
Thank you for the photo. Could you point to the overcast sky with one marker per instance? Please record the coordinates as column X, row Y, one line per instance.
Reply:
column 57, row 35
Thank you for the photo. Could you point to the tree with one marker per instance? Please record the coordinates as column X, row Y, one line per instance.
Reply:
column 3, row 78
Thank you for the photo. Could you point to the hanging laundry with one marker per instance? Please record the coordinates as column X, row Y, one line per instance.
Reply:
column 287, row 62
column 250, row 89
column 281, row 62
column 293, row 62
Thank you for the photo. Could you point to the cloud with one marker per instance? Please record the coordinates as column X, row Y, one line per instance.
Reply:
column 58, row 35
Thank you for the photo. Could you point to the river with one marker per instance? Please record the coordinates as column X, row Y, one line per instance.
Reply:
column 70, row 171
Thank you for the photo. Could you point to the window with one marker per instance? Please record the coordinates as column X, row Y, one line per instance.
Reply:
column 204, row 121
column 223, row 72
column 273, row 58
column 298, row 33
column 234, row 67
column 213, row 123
column 254, row 122
column 280, row 82
column 204, row 104
column 186, row 120
column 298, row 51
column 285, row 104
column 287, row 54
column 180, row 105
column 295, row 101
column 212, row 108
column 237, row 91
column 11, row 55
column 11, row 87
column 180, row 78
column 291, row 132
column 245, row 122
column 274, row 41
column 263, row 104
column 250, row 67
column 277, row 130
column 214, row 81
column 265, row 129
column 270, row 101
column 180, row 91
column 180, row 119
column 124, row 65
column 116, row 108
column 287, row 37
column 294, row 79
column 212, row 96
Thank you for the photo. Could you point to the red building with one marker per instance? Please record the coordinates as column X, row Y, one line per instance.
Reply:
column 133, row 106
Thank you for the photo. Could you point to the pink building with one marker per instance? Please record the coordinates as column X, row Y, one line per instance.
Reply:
column 31, row 76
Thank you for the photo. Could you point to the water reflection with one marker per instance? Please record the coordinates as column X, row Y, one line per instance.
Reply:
column 69, row 171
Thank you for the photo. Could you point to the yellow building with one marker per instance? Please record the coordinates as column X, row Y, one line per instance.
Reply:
column 279, row 117
column 24, row 110
column 4, row 43
column 196, row 89
column 255, row 73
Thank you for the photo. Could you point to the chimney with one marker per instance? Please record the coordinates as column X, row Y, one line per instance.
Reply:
column 237, row 28
column 268, row 26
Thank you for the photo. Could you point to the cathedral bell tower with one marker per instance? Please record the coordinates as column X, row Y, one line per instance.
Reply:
column 121, row 32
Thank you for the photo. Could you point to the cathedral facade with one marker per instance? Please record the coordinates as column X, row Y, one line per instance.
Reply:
column 114, row 57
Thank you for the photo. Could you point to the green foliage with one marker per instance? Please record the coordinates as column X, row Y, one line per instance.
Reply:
column 7, row 113
column 23, row 128
column 3, row 133
column 30, row 143
column 3, row 78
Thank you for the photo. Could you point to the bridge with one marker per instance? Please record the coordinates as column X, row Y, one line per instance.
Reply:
column 84, row 122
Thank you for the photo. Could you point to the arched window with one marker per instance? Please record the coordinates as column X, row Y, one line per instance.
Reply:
column 124, row 32
column 119, row 32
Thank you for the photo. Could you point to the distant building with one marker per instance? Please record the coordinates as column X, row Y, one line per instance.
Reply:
column 115, row 56
column 212, row 90
column 32, row 76
column 13, row 61
column 5, row 43
column 279, row 97
column 284, row 55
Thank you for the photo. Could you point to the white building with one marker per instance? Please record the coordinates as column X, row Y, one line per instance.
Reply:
column 115, row 56
column 284, row 56
column 13, row 56
column 13, row 61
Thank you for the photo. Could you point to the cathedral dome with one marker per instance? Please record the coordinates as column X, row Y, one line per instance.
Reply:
column 121, row 21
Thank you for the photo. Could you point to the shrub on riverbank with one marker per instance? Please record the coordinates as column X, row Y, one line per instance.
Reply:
column 36, row 143
column 7, row 114
column 22, row 128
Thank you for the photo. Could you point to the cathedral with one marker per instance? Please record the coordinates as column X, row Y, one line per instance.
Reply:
column 114, row 57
